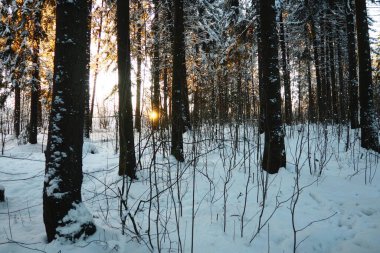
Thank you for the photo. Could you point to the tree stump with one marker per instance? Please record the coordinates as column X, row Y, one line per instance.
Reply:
column 2, row 196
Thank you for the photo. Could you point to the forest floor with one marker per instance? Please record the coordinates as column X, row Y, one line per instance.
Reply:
column 336, row 209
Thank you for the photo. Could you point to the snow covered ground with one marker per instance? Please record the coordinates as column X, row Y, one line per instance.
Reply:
column 336, row 211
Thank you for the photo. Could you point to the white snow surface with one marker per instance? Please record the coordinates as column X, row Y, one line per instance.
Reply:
column 337, row 211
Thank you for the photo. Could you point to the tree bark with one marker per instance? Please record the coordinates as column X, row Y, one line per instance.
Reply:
column 138, row 74
column 180, row 104
column 285, row 74
column 352, row 65
column 87, row 113
column 96, row 69
column 17, row 111
column 274, row 149
column 62, row 201
column 369, row 133
column 156, row 67
column 35, row 85
column 127, row 158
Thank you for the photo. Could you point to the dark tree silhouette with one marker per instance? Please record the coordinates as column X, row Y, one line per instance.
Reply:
column 285, row 73
column 274, row 150
column 370, row 135
column 138, row 74
column 352, row 65
column 156, row 66
column 180, row 103
column 35, row 83
column 127, row 159
column 62, row 201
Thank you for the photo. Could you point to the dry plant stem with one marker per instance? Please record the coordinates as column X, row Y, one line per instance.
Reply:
column 175, row 213
column 9, row 220
column 157, row 192
column 194, row 150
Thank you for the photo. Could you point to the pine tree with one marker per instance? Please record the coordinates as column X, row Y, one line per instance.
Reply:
column 274, row 149
column 35, row 83
column 180, row 106
column 285, row 73
column 127, row 158
column 62, row 200
column 156, row 67
column 369, row 133
column 352, row 65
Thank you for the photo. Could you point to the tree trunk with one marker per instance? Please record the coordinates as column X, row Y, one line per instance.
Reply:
column 35, row 85
column 156, row 67
column 342, row 88
column 180, row 104
column 17, row 112
column 286, row 74
column 62, row 201
column 317, row 64
column 352, row 65
column 274, row 149
column 262, row 95
column 96, row 69
column 138, row 74
column 87, row 114
column 369, row 133
column 127, row 158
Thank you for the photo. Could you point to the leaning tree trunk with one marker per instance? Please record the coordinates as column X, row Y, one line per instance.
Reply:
column 369, row 133
column 274, row 149
column 96, row 69
column 62, row 201
column 127, row 158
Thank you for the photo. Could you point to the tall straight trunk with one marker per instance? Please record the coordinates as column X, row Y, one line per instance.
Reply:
column 323, row 110
column 156, row 66
column 87, row 113
column 63, row 167
column 352, row 65
column 180, row 114
column 312, row 113
column 262, row 94
column 332, row 46
column 138, row 74
column 127, row 158
column 330, row 76
column 274, row 149
column 285, row 74
column 317, row 64
column 35, row 85
column 96, row 69
column 311, row 106
column 334, row 89
column 342, row 88
column 17, row 112
column 165, row 117
column 369, row 132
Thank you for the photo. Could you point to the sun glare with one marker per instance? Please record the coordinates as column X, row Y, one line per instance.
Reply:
column 153, row 115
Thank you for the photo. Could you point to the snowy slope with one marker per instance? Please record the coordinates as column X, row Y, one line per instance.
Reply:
column 337, row 211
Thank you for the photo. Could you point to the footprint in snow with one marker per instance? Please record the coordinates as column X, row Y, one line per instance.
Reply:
column 369, row 211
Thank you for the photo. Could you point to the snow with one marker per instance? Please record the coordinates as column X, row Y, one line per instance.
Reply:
column 338, row 211
column 76, row 217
